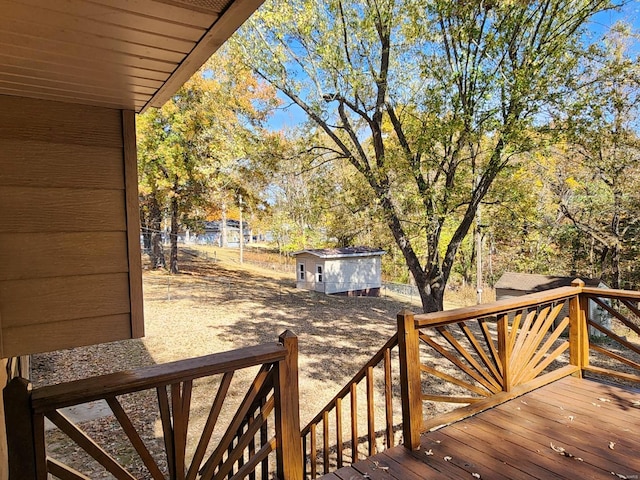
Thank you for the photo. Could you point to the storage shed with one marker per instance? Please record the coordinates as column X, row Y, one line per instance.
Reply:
column 353, row 271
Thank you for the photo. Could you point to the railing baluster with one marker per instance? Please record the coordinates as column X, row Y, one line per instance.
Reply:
column 167, row 429
column 354, row 422
column 371, row 430
column 325, row 441
column 210, row 424
column 134, row 438
column 264, row 431
column 304, row 455
column 252, row 449
column 339, row 431
column 503, row 351
column 388, row 397
column 314, row 452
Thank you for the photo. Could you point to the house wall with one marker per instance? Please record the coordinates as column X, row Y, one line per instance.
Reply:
column 69, row 229
column 351, row 274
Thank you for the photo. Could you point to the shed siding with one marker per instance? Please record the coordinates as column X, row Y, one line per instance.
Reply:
column 69, row 228
column 351, row 274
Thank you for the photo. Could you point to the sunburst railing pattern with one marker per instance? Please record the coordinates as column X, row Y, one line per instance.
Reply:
column 252, row 441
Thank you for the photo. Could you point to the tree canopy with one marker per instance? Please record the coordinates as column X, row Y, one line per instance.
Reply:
column 197, row 150
column 429, row 101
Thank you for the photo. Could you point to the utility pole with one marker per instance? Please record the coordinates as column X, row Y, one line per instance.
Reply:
column 478, row 252
column 241, row 228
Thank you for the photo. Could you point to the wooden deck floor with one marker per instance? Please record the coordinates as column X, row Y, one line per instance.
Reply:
column 596, row 424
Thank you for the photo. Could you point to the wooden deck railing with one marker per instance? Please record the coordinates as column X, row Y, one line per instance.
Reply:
column 610, row 352
column 477, row 357
column 265, row 423
column 335, row 450
column 439, row 367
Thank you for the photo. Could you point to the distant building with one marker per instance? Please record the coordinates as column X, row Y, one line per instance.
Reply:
column 512, row 285
column 219, row 234
column 352, row 271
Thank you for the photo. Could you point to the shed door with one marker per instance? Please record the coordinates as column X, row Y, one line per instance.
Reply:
column 319, row 277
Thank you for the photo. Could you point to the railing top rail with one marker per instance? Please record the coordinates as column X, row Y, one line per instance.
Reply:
column 611, row 293
column 102, row 386
column 495, row 308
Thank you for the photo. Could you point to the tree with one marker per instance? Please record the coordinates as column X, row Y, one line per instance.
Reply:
column 198, row 146
column 427, row 100
column 597, row 183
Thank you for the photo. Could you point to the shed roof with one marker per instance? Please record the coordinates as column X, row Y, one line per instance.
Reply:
column 529, row 282
column 343, row 252
column 121, row 54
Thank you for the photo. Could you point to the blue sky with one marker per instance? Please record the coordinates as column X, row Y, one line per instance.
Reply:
column 291, row 115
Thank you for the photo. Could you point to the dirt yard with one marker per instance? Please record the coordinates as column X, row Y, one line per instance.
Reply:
column 215, row 305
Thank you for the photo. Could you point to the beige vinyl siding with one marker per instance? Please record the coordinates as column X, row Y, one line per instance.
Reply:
column 69, row 240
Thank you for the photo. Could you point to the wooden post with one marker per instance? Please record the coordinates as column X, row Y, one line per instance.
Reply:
column 19, row 424
column 289, row 441
column 503, row 351
column 578, row 328
column 4, row 456
column 410, row 383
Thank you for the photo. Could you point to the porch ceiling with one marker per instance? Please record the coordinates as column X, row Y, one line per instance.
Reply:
column 126, row 54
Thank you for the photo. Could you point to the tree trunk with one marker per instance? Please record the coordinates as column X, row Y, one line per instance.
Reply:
column 432, row 297
column 173, row 258
column 146, row 227
column 155, row 226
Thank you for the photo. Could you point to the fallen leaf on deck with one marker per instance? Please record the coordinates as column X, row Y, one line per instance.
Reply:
column 604, row 400
column 619, row 475
column 562, row 451
column 377, row 465
column 429, row 452
column 611, row 445
column 475, row 475
column 635, row 403
column 447, row 458
column 571, row 418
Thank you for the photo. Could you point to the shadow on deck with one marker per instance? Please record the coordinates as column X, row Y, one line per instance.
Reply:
column 572, row 428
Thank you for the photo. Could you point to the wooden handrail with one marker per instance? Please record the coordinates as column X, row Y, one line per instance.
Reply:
column 611, row 293
column 86, row 390
column 496, row 308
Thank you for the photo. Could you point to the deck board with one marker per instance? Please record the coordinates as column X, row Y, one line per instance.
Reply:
column 513, row 440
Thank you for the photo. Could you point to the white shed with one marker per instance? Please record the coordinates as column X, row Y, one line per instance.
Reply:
column 352, row 271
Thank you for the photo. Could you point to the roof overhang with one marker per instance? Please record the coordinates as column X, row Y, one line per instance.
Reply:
column 124, row 54
column 330, row 253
